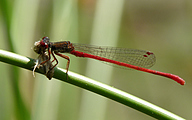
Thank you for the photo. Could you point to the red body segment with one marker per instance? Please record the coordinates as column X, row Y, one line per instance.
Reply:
column 168, row 75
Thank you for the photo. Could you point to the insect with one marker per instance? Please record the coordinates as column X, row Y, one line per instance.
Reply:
column 132, row 58
column 44, row 68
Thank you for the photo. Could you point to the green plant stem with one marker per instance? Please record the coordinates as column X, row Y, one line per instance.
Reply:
column 94, row 86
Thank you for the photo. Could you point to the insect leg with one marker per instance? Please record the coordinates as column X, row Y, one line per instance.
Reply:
column 49, row 57
column 66, row 57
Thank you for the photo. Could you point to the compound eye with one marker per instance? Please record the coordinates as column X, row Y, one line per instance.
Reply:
column 45, row 39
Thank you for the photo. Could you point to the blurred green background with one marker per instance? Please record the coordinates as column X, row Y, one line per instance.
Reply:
column 163, row 27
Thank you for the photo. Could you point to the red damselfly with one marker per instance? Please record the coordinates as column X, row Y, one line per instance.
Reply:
column 136, row 59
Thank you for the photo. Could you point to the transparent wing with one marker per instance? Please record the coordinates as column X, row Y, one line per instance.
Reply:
column 141, row 58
